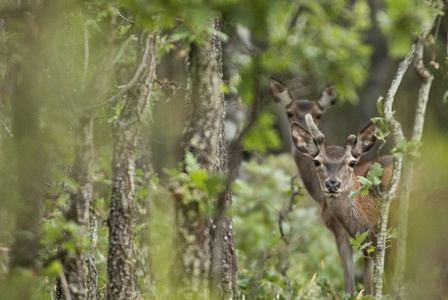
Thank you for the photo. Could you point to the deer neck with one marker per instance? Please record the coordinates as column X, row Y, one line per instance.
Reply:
column 308, row 174
column 355, row 215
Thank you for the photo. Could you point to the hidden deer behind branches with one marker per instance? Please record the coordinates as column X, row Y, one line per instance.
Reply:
column 296, row 110
column 335, row 167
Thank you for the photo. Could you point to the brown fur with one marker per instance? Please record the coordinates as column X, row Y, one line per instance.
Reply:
column 368, row 206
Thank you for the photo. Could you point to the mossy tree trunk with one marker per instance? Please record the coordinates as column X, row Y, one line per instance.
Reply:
column 126, row 128
column 196, row 233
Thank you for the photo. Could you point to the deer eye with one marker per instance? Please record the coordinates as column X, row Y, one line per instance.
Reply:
column 316, row 163
column 352, row 163
column 289, row 114
column 318, row 116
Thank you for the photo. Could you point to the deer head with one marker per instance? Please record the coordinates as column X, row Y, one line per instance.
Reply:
column 297, row 109
column 334, row 164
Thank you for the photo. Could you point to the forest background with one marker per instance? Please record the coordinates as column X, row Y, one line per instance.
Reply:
column 105, row 108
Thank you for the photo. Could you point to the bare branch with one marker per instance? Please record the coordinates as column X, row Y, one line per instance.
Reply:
column 398, row 135
column 86, row 54
column 131, row 83
column 423, row 95
column 65, row 286
column 281, row 216
column 123, row 47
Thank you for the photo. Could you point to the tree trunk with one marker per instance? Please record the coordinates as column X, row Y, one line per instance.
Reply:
column 31, row 157
column 120, row 269
column 74, row 266
column 80, row 284
column 144, row 266
column 196, row 236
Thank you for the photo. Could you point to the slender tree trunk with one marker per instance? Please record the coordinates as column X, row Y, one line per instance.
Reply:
column 408, row 161
column 92, row 278
column 144, row 266
column 74, row 264
column 196, row 236
column 120, row 268
column 80, row 284
column 32, row 170
column 416, row 53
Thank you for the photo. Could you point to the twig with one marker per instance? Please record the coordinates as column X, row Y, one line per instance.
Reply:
column 167, row 85
column 131, row 83
column 124, row 18
column 281, row 216
column 125, row 42
column 86, row 54
column 65, row 286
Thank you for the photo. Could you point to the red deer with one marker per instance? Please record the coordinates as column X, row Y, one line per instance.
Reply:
column 296, row 110
column 335, row 167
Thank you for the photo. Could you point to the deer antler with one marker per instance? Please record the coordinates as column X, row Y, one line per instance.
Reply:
column 350, row 143
column 317, row 135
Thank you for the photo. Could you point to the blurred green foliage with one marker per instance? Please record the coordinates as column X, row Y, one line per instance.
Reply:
column 320, row 41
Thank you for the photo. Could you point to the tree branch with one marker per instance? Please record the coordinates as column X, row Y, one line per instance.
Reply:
column 423, row 95
column 131, row 83
column 397, row 133
column 281, row 216
column 65, row 286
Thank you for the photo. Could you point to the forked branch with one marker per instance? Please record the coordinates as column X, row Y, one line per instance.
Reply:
column 415, row 54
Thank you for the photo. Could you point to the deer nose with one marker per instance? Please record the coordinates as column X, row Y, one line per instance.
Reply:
column 332, row 185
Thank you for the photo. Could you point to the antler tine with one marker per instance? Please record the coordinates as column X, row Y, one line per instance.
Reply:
column 317, row 135
column 350, row 143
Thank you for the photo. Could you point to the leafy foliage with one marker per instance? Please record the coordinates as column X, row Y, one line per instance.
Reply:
column 403, row 21
column 359, row 245
column 196, row 184
column 262, row 137
column 318, row 41
column 313, row 255
column 371, row 181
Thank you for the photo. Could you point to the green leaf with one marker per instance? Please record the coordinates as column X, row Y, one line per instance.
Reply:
column 142, row 193
column 190, row 162
column 199, row 177
column 54, row 268
column 364, row 181
column 445, row 97
column 379, row 105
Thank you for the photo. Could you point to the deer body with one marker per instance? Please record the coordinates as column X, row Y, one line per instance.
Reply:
column 357, row 214
column 296, row 111
column 335, row 167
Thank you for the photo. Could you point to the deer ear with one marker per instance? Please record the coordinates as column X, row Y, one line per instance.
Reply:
column 279, row 92
column 303, row 140
column 327, row 98
column 365, row 140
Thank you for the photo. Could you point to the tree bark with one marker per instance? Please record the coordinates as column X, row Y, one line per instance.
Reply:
column 74, row 266
column 144, row 266
column 120, row 269
column 92, row 278
column 82, row 285
column 196, row 236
